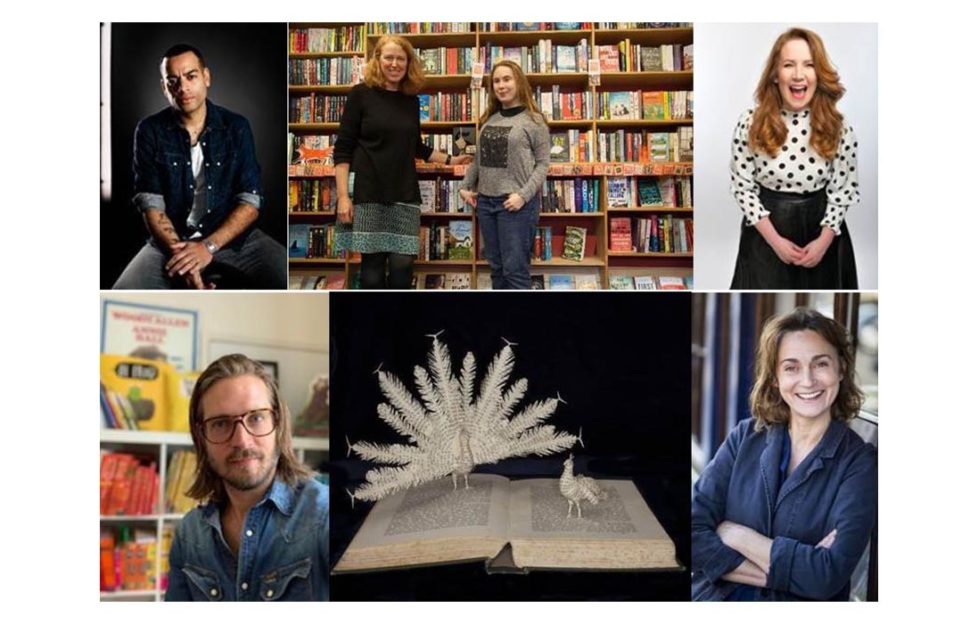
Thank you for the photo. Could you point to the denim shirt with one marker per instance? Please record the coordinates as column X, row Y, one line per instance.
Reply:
column 283, row 553
column 163, row 174
column 834, row 487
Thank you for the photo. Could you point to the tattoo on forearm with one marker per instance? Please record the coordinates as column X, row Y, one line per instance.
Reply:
column 166, row 226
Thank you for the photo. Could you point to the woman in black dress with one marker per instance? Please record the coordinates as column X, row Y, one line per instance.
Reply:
column 379, row 139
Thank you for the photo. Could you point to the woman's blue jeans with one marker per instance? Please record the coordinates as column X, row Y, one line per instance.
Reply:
column 508, row 238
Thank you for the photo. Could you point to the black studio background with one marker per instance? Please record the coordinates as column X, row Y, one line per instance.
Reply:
column 248, row 70
column 622, row 363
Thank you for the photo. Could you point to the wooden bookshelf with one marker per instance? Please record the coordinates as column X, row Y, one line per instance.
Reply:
column 479, row 35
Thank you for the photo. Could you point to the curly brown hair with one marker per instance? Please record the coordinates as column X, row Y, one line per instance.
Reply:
column 413, row 78
column 523, row 92
column 766, row 404
column 768, row 130
column 207, row 484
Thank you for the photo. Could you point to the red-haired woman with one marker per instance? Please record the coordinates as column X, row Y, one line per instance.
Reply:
column 793, row 173
column 379, row 139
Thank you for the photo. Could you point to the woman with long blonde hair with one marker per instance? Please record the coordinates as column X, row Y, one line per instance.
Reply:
column 793, row 174
column 503, row 182
column 378, row 141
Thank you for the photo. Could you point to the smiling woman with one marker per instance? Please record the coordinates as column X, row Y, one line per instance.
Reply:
column 785, row 508
column 504, row 181
column 378, row 200
column 793, row 174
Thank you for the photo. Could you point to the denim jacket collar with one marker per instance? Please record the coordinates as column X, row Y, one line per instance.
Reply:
column 279, row 494
column 213, row 120
column 771, row 459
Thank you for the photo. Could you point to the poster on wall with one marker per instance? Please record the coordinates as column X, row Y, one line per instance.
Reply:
column 150, row 332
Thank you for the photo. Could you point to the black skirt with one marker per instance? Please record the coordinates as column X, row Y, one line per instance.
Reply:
column 797, row 217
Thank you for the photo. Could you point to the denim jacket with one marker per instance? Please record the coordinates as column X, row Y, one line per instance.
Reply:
column 283, row 552
column 164, row 178
column 834, row 487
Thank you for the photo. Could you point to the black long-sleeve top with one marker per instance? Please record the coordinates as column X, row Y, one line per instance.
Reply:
column 380, row 136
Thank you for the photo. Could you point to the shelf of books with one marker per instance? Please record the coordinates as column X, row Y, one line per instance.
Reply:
column 617, row 206
column 143, row 479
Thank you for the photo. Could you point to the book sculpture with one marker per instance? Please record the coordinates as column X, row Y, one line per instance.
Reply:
column 578, row 488
column 451, row 429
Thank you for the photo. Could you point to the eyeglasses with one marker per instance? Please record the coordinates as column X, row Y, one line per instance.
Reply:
column 220, row 429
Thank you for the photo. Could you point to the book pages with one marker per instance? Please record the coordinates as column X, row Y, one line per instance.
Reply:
column 433, row 524
column 620, row 532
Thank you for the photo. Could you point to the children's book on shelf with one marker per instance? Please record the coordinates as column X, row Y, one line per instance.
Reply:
column 180, row 473
column 645, row 282
column 621, row 234
column 622, row 282
column 559, row 147
column 128, row 486
column 458, row 281
column 621, row 105
column 586, row 282
column 463, row 141
column 619, row 193
column 298, row 240
column 574, row 241
column 144, row 394
column 667, row 282
column 127, row 559
column 649, row 193
column 542, row 243
column 311, row 149
column 526, row 527
column 427, row 188
column 460, row 240
column 560, row 281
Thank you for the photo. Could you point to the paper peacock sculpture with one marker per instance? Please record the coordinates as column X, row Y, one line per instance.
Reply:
column 451, row 429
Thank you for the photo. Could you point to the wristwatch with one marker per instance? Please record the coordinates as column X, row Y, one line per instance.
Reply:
column 211, row 247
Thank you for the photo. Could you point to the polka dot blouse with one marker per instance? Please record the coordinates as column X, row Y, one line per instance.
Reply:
column 796, row 169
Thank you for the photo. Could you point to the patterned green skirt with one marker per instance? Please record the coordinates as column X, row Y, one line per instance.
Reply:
column 381, row 228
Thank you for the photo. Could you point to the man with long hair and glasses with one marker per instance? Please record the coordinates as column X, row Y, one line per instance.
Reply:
column 261, row 532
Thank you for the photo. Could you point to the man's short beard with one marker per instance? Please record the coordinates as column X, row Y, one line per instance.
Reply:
column 245, row 483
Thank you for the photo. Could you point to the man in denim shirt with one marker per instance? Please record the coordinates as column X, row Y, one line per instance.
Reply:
column 263, row 529
column 198, row 186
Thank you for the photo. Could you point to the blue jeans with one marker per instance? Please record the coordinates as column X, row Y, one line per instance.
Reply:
column 508, row 238
column 252, row 261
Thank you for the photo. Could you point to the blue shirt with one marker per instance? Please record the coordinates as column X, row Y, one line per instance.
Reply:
column 283, row 553
column 163, row 173
column 834, row 487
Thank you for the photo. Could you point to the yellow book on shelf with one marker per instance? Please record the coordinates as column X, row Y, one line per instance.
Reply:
column 143, row 383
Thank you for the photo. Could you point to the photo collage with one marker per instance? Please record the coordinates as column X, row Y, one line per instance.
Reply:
column 271, row 432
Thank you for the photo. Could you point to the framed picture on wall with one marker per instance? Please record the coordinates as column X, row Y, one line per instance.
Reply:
column 150, row 332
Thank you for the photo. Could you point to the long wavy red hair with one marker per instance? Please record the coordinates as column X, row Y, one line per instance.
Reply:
column 768, row 131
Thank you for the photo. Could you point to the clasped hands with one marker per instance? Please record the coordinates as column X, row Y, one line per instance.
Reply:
column 188, row 259
column 808, row 256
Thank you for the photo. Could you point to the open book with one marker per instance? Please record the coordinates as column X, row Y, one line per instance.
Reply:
column 513, row 526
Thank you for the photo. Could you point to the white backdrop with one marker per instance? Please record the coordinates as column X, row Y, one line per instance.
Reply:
column 729, row 61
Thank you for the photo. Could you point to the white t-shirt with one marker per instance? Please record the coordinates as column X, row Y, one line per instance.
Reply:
column 199, row 208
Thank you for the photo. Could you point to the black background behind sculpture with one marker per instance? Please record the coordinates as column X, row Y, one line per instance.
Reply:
column 622, row 363
column 248, row 76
